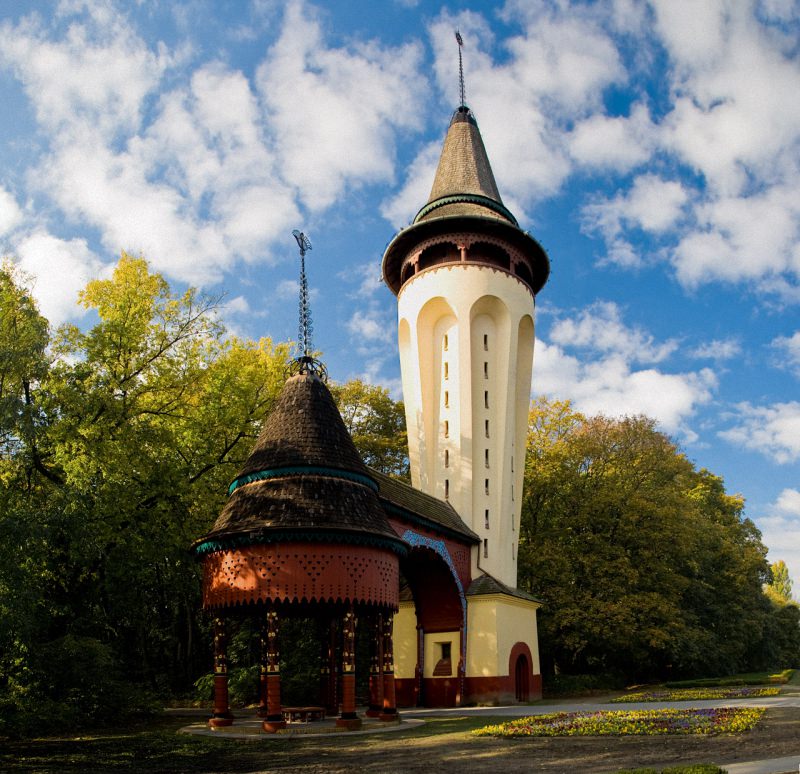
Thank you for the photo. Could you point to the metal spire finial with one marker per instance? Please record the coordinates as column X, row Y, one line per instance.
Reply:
column 305, row 362
column 460, row 42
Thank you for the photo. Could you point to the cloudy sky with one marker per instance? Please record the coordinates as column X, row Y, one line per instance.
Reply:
column 653, row 148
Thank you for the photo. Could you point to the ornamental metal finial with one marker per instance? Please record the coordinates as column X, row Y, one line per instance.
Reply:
column 305, row 362
column 460, row 42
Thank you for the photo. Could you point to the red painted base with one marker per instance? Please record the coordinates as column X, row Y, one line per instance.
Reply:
column 350, row 724
column 271, row 726
column 389, row 717
column 220, row 722
column 373, row 713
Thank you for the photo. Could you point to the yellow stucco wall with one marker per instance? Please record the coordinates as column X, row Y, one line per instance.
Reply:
column 433, row 651
column 495, row 623
column 404, row 639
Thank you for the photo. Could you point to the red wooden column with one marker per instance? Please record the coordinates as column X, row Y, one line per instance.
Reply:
column 274, row 721
column 375, row 666
column 349, row 719
column 389, row 703
column 263, row 670
column 222, row 712
column 328, row 677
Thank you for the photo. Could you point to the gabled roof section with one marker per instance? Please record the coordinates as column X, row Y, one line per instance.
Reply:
column 402, row 499
column 486, row 584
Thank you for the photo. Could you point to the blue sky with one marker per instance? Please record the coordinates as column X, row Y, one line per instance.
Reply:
column 653, row 148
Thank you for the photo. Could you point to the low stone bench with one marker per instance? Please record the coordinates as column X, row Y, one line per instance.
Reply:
column 303, row 714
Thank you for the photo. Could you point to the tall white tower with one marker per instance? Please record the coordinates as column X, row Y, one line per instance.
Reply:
column 466, row 276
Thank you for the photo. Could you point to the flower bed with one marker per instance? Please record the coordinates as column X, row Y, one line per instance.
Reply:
column 697, row 694
column 721, row 720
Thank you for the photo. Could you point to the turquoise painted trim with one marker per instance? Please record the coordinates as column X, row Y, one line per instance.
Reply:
column 301, row 470
column 282, row 536
column 484, row 201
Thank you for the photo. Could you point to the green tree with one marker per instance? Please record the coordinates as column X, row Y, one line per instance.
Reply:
column 377, row 425
column 779, row 589
column 139, row 424
column 646, row 566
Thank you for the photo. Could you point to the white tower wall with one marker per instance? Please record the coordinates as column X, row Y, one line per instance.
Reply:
column 466, row 349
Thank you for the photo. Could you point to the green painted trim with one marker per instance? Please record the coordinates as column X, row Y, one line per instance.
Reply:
column 484, row 201
column 266, row 537
column 301, row 470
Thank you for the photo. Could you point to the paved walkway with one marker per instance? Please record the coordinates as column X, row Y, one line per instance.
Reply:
column 248, row 726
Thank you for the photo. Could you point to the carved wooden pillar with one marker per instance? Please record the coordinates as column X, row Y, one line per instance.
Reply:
column 349, row 719
column 387, row 651
column 263, row 656
column 274, row 720
column 222, row 712
column 375, row 666
column 328, row 672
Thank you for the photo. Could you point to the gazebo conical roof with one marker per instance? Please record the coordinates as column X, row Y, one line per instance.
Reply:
column 303, row 520
column 304, row 476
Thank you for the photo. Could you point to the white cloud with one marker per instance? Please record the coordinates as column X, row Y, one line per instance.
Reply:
column 59, row 270
column 612, row 142
column 369, row 327
column 10, row 213
column 610, row 386
column 603, row 379
column 790, row 346
column 773, row 430
column 780, row 531
column 652, row 205
column 739, row 238
column 717, row 349
column 400, row 209
column 600, row 328
column 334, row 112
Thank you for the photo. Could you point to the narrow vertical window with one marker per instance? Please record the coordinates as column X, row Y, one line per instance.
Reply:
column 485, row 342
column 485, row 369
column 446, row 370
column 486, row 518
column 486, row 457
column 486, row 548
column 513, row 551
column 447, row 458
column 486, row 428
column 444, row 343
column 446, row 488
column 486, row 399
column 446, row 399
column 512, row 493
column 486, row 485
column 512, row 460
column 446, row 429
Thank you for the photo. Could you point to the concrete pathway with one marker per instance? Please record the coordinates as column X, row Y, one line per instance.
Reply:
column 249, row 727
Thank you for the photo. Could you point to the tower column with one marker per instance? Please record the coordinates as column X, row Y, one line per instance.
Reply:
column 376, row 656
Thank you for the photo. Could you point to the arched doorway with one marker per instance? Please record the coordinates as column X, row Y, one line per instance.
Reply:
column 522, row 671
column 436, row 623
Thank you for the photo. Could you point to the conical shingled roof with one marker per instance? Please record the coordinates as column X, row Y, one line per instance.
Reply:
column 304, row 476
column 464, row 182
